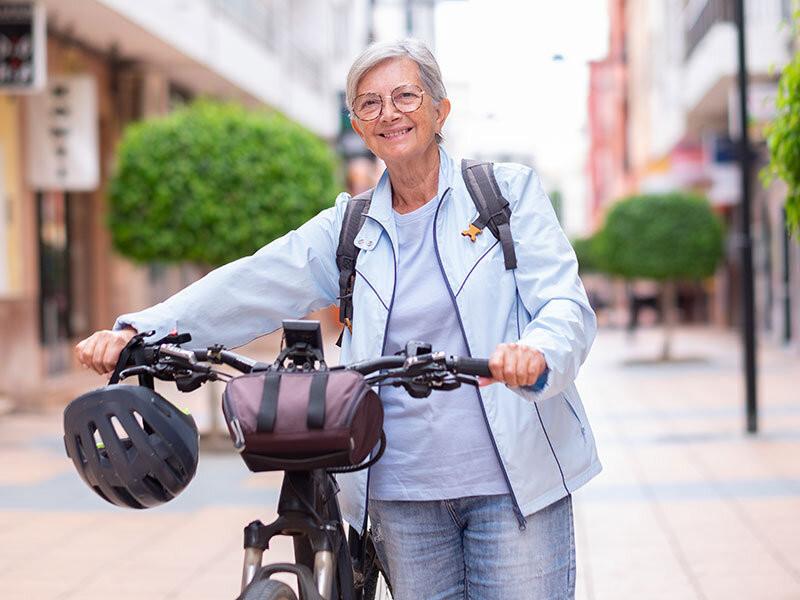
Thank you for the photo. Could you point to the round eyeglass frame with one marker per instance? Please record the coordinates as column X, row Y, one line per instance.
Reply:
column 391, row 97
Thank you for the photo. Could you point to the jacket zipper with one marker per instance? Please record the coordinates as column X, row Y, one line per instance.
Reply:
column 383, row 349
column 517, row 510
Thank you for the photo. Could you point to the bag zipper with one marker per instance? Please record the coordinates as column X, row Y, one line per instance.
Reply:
column 233, row 422
column 517, row 510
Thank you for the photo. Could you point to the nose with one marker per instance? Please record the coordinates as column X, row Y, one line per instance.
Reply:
column 389, row 112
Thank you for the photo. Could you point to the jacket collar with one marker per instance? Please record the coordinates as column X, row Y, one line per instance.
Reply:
column 380, row 208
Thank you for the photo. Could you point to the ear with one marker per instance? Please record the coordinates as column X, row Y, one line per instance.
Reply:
column 442, row 111
column 354, row 124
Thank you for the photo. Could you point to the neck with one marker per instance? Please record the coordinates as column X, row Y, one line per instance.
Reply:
column 414, row 182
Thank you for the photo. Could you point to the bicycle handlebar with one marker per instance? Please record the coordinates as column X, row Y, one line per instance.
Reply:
column 170, row 361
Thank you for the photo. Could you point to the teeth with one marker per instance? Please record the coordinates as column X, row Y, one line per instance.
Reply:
column 396, row 134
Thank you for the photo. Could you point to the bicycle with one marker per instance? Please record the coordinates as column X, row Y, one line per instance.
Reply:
column 328, row 565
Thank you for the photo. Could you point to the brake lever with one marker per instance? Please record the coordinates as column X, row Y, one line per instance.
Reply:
column 137, row 370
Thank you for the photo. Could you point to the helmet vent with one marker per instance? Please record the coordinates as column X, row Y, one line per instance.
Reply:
column 119, row 430
column 156, row 488
column 176, row 467
column 127, row 497
column 81, row 453
column 98, row 439
column 142, row 423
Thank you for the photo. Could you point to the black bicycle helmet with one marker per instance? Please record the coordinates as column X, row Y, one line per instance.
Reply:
column 130, row 445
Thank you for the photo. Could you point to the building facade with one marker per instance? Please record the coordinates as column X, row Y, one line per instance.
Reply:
column 681, row 126
column 109, row 63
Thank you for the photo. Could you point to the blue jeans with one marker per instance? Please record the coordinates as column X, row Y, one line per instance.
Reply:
column 473, row 548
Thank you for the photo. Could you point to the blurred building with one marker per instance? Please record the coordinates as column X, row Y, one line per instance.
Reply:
column 607, row 162
column 101, row 64
column 680, row 121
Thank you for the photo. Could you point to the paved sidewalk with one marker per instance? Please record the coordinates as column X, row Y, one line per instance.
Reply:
column 687, row 506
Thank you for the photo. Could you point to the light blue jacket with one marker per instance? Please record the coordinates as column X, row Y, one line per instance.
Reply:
column 542, row 438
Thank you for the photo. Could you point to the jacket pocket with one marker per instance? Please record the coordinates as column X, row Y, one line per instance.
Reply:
column 575, row 414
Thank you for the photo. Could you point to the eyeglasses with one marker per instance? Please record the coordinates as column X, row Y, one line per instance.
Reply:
column 405, row 98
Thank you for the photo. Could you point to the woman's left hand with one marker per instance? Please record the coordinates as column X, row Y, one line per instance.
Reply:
column 515, row 365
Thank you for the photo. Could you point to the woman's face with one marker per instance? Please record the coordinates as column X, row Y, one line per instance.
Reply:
column 395, row 135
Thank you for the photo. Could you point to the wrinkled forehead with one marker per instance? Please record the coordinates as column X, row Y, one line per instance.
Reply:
column 388, row 74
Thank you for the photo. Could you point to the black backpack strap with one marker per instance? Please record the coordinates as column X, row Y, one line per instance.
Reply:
column 494, row 211
column 346, row 254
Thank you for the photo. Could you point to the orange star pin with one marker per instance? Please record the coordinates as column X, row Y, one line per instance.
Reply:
column 472, row 232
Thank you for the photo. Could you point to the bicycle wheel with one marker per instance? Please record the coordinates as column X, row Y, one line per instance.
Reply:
column 268, row 589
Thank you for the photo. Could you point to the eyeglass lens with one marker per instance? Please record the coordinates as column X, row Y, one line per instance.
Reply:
column 406, row 98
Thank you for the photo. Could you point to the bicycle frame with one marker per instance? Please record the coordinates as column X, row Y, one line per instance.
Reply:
column 307, row 511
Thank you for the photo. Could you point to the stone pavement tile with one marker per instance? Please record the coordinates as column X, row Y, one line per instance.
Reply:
column 720, row 550
column 624, row 553
column 43, row 586
column 776, row 522
column 37, row 536
column 31, row 466
column 204, row 545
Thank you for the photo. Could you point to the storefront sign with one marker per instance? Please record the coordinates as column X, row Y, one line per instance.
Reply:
column 63, row 151
column 23, row 60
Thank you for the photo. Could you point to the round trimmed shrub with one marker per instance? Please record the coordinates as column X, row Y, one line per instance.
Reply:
column 589, row 251
column 672, row 236
column 212, row 182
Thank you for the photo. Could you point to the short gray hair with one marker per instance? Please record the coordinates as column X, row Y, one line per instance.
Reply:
column 416, row 50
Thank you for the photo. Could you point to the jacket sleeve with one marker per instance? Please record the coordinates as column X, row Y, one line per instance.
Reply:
column 287, row 278
column 563, row 324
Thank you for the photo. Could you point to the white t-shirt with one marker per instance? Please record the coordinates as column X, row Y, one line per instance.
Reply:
column 438, row 447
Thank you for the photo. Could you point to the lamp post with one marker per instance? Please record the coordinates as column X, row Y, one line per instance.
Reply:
column 745, row 236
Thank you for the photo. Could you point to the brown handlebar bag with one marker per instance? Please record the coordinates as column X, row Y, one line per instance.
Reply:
column 287, row 420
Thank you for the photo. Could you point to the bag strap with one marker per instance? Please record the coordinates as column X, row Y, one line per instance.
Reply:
column 494, row 211
column 268, row 410
column 316, row 400
column 346, row 254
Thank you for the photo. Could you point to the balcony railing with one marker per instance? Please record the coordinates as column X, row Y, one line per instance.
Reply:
column 701, row 15
column 256, row 18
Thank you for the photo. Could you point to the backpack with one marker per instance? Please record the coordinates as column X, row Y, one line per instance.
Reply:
column 493, row 212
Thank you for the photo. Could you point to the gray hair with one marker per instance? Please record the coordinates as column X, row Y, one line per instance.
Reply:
column 416, row 50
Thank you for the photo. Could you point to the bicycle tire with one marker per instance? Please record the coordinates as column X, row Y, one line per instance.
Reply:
column 268, row 589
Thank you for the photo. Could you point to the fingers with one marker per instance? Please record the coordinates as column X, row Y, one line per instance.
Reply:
column 101, row 350
column 85, row 350
column 111, row 355
column 98, row 353
column 516, row 365
column 511, row 359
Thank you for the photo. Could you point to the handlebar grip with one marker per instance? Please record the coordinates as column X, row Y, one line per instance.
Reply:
column 473, row 366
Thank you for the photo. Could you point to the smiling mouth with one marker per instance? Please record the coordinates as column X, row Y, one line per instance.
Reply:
column 396, row 134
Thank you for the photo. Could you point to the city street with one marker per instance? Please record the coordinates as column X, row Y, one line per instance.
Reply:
column 688, row 506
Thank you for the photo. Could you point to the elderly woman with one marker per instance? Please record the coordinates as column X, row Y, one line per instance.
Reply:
column 473, row 495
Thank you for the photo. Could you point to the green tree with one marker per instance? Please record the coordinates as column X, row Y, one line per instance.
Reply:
column 213, row 182
column 783, row 139
column 666, row 237
column 589, row 251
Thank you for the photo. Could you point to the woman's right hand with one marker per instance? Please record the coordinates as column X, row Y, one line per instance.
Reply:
column 101, row 350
